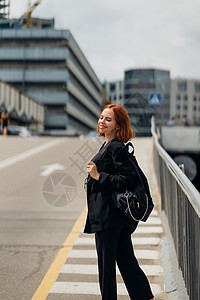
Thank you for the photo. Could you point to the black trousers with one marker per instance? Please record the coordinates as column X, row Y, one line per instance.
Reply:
column 115, row 245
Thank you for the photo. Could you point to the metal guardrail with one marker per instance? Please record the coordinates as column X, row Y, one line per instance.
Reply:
column 181, row 203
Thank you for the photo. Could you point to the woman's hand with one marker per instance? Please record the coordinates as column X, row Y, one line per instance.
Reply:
column 92, row 170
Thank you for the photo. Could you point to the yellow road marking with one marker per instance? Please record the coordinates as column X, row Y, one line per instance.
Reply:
column 53, row 272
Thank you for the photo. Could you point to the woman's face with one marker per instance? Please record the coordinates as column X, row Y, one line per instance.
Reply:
column 107, row 123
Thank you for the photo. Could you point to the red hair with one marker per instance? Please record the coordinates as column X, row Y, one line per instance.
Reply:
column 125, row 133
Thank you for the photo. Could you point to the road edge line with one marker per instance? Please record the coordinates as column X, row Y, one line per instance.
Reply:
column 54, row 270
column 28, row 153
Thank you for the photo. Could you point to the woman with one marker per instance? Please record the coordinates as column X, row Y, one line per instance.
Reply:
column 111, row 170
column 4, row 122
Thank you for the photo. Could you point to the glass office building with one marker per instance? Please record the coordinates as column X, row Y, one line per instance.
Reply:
column 154, row 86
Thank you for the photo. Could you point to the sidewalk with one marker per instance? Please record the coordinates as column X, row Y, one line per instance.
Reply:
column 78, row 277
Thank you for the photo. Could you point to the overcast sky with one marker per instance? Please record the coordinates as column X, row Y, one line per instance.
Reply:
column 117, row 35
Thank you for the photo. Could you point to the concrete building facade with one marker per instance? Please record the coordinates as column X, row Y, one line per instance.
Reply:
column 185, row 100
column 22, row 109
column 115, row 91
column 48, row 66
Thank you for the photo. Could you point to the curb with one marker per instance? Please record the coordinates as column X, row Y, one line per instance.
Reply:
column 172, row 275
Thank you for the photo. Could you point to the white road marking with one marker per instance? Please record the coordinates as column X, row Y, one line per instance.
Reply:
column 152, row 221
column 19, row 157
column 150, row 270
column 140, row 254
column 90, row 241
column 149, row 229
column 91, row 288
column 154, row 213
column 50, row 169
column 149, row 241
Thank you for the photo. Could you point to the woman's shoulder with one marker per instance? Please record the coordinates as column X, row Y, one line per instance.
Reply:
column 115, row 141
column 116, row 144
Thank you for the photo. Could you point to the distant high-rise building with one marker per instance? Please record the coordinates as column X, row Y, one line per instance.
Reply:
column 154, row 86
column 144, row 92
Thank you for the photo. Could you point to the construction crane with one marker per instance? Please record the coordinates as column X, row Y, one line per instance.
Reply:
column 26, row 19
column 4, row 9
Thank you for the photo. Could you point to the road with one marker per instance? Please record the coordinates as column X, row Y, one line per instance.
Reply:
column 36, row 213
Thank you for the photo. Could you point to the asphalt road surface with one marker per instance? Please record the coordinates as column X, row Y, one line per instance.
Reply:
column 41, row 197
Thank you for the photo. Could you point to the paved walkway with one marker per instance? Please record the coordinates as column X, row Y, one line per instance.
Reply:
column 78, row 277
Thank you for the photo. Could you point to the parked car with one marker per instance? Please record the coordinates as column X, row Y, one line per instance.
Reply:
column 93, row 134
column 18, row 130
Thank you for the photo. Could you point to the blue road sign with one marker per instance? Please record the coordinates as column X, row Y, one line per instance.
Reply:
column 155, row 99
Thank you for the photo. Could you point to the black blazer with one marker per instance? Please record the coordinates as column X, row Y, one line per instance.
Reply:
column 116, row 173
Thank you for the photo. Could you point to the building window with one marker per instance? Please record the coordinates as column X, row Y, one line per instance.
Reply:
column 128, row 86
column 151, row 80
column 194, row 108
column 178, row 97
column 184, row 107
column 112, row 87
column 194, row 98
column 128, row 96
column 128, row 75
column 135, row 81
column 197, row 87
column 182, row 86
column 185, row 98
column 178, row 107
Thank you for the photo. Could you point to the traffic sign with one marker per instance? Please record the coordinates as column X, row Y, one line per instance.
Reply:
column 155, row 99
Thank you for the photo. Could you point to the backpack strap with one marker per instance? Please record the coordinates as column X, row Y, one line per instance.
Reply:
column 128, row 146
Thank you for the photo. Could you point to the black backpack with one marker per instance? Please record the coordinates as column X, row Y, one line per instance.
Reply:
column 136, row 203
